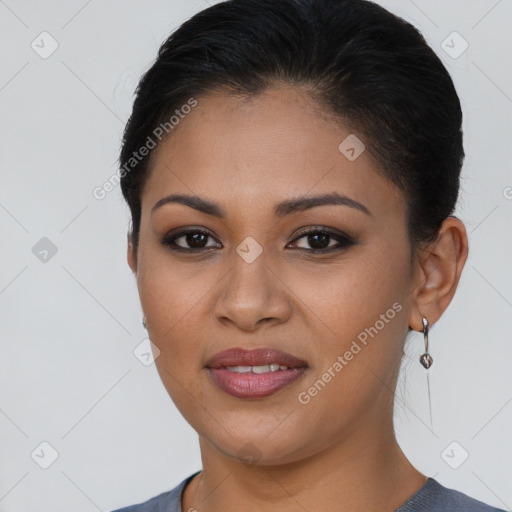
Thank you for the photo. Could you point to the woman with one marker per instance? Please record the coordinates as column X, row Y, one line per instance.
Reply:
column 292, row 168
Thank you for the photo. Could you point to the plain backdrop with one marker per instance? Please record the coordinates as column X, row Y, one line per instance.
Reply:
column 73, row 393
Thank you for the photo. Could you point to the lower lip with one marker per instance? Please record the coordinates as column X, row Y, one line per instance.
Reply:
column 254, row 385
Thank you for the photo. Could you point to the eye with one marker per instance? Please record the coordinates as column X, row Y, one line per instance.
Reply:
column 191, row 240
column 320, row 239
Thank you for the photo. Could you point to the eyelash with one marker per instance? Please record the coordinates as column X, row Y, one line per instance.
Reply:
column 344, row 240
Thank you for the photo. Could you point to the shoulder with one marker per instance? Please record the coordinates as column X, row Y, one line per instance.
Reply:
column 434, row 497
column 154, row 504
column 170, row 501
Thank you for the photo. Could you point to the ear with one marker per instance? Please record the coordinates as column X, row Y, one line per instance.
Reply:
column 437, row 276
column 131, row 254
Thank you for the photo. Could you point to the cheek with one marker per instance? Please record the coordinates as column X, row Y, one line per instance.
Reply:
column 172, row 304
column 177, row 300
column 355, row 373
column 364, row 306
column 344, row 299
column 180, row 337
column 376, row 314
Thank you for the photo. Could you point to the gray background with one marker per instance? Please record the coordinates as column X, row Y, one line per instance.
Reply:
column 70, row 324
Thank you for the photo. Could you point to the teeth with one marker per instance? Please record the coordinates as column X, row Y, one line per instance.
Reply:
column 240, row 369
column 261, row 369
column 257, row 369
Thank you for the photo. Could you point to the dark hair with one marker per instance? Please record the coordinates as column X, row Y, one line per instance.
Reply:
column 368, row 68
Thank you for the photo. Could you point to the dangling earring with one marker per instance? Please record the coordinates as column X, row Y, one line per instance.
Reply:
column 144, row 322
column 426, row 359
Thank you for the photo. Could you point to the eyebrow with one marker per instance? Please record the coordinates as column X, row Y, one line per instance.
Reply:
column 281, row 209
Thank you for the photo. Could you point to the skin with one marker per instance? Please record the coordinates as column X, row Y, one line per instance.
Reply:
column 338, row 451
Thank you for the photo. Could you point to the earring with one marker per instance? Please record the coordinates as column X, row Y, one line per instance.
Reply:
column 426, row 359
column 144, row 322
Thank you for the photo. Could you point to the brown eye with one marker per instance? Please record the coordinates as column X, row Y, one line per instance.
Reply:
column 318, row 240
column 189, row 241
column 194, row 239
column 324, row 241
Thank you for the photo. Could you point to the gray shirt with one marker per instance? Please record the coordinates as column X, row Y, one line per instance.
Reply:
column 432, row 497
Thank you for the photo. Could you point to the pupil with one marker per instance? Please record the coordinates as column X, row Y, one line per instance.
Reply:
column 192, row 238
column 324, row 238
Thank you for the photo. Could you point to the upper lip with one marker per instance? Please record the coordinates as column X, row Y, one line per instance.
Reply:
column 256, row 357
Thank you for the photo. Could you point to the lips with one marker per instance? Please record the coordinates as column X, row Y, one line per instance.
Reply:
column 254, row 385
column 256, row 357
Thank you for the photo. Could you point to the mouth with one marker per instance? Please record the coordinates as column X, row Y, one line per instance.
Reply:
column 256, row 373
column 255, row 358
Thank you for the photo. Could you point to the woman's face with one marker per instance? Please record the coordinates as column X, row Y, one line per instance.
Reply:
column 254, row 281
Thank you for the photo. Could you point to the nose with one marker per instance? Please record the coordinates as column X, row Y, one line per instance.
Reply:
column 252, row 295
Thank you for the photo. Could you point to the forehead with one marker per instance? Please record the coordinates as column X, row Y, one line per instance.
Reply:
column 275, row 145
